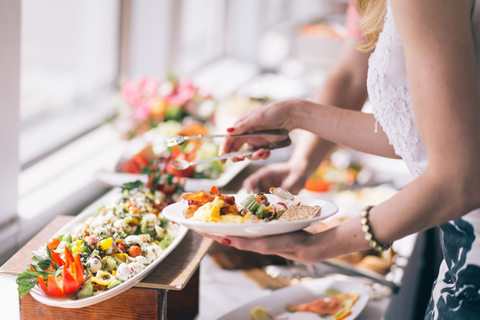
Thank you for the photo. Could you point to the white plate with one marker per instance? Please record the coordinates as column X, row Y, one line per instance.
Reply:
column 117, row 179
column 302, row 293
column 68, row 302
column 174, row 212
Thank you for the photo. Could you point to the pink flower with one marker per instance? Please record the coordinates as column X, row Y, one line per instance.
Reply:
column 130, row 92
column 139, row 88
column 184, row 92
column 148, row 100
column 142, row 109
column 149, row 87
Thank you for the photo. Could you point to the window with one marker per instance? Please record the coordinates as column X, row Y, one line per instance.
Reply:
column 202, row 33
column 69, row 68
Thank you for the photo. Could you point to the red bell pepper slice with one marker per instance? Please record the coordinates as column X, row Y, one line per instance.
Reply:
column 52, row 288
column 68, row 258
column 69, row 282
column 56, row 258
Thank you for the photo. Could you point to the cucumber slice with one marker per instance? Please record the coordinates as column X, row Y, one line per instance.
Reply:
column 254, row 206
column 250, row 203
column 260, row 210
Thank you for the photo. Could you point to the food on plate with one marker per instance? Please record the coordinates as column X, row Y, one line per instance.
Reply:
column 152, row 151
column 330, row 177
column 216, row 207
column 321, row 31
column 108, row 248
column 337, row 304
column 380, row 265
column 300, row 212
column 261, row 313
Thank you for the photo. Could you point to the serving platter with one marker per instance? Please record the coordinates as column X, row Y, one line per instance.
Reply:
column 117, row 179
column 174, row 212
column 69, row 302
column 305, row 292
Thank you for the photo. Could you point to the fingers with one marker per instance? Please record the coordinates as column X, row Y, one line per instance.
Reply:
column 264, row 178
column 294, row 182
column 285, row 244
column 260, row 154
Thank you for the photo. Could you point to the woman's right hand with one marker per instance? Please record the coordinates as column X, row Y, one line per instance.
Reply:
column 275, row 115
column 283, row 175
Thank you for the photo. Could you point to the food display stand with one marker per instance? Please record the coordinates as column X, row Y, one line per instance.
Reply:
column 175, row 278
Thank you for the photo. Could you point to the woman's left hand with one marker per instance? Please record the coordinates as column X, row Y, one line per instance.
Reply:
column 293, row 246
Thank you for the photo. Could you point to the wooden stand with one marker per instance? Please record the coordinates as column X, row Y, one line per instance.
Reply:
column 177, row 275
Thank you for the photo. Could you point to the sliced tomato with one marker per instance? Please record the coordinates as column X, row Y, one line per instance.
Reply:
column 140, row 160
column 180, row 173
column 128, row 167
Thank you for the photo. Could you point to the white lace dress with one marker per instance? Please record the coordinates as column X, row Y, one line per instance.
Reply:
column 456, row 294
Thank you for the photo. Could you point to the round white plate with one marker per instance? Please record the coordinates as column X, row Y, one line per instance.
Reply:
column 303, row 293
column 174, row 212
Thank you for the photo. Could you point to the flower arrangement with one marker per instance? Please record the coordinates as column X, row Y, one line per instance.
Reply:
column 146, row 102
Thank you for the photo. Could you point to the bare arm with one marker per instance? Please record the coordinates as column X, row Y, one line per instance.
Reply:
column 345, row 87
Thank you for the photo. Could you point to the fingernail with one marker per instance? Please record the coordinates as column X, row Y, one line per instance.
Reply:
column 261, row 152
column 226, row 241
column 231, row 129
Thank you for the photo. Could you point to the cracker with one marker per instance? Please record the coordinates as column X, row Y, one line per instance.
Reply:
column 300, row 212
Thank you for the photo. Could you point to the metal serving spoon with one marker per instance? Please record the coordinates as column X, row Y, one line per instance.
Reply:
column 179, row 139
column 184, row 164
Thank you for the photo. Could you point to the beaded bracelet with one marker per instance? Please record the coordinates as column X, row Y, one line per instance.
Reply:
column 368, row 234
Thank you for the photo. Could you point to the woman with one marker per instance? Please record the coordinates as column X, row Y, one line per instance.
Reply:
column 423, row 82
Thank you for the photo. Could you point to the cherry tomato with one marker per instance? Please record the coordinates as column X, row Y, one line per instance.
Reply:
column 134, row 251
column 122, row 247
column 177, row 154
column 186, row 173
column 53, row 243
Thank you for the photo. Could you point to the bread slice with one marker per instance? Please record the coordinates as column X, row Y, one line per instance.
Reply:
column 300, row 212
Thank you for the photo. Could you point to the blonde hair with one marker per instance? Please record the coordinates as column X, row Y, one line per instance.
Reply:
column 371, row 24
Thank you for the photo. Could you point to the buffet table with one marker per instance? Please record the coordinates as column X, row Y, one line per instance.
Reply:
column 222, row 289
column 176, row 277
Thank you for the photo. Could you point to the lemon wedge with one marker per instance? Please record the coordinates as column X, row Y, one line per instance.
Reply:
column 259, row 313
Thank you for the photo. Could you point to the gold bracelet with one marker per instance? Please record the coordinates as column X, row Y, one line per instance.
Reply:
column 368, row 234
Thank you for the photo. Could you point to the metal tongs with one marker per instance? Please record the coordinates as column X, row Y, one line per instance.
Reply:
column 184, row 164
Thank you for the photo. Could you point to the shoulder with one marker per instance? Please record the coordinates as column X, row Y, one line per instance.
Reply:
column 352, row 17
column 433, row 24
column 425, row 14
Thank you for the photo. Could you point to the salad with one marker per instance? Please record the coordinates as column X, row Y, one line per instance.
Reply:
column 107, row 249
column 155, row 153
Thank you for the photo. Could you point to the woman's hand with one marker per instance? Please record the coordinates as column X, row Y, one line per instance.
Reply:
column 284, row 175
column 293, row 246
column 274, row 115
column 302, row 246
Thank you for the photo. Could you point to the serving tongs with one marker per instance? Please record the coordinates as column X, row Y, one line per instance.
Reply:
column 184, row 164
